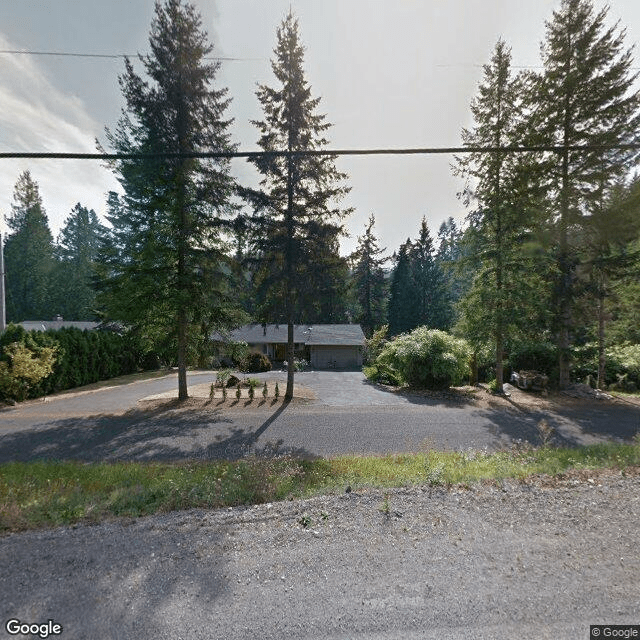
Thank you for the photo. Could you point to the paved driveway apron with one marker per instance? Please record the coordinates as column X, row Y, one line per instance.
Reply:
column 341, row 388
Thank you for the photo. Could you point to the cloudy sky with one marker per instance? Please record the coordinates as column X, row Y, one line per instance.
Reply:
column 390, row 74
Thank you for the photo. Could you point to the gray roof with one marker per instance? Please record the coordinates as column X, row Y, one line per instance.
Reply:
column 335, row 334
column 46, row 325
column 316, row 334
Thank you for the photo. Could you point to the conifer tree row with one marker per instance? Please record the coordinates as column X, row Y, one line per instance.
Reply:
column 46, row 279
column 28, row 254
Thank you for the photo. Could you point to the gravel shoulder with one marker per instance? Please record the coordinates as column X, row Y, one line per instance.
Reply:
column 537, row 560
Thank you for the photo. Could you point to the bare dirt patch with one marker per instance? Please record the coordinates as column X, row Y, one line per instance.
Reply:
column 199, row 396
column 517, row 400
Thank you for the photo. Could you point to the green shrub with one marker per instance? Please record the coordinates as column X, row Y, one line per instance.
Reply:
column 23, row 369
column 622, row 365
column 373, row 346
column 82, row 357
column 542, row 357
column 624, row 361
column 382, row 374
column 238, row 352
column 222, row 377
column 428, row 358
column 256, row 363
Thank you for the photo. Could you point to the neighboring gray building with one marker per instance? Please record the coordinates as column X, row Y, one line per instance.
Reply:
column 55, row 324
column 325, row 346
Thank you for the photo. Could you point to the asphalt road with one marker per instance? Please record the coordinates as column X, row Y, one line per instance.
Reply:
column 505, row 561
column 348, row 416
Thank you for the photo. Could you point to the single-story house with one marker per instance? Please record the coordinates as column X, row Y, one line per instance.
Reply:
column 325, row 346
column 57, row 323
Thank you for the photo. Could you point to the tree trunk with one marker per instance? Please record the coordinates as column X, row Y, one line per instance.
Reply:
column 183, row 393
column 289, row 257
column 498, row 214
column 290, row 362
column 602, row 357
column 565, row 289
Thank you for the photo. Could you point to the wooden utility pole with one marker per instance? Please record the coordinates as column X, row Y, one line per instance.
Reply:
column 3, row 312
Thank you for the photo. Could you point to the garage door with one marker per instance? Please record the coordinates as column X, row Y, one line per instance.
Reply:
column 335, row 357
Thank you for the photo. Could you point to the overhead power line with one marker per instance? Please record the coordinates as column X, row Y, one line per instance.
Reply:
column 69, row 54
column 34, row 155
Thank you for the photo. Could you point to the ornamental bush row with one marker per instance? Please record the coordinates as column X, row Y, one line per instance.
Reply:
column 81, row 357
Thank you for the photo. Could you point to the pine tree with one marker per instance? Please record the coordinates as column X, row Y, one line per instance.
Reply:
column 452, row 259
column 28, row 255
column 76, row 253
column 168, row 273
column 607, row 255
column 324, row 296
column 432, row 304
column 584, row 97
column 369, row 279
column 402, row 310
column 500, row 190
column 296, row 217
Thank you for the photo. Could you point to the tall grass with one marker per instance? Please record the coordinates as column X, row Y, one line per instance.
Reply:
column 44, row 494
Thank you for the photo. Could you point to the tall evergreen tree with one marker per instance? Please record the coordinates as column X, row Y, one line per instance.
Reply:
column 297, row 217
column 607, row 254
column 449, row 241
column 499, row 188
column 323, row 297
column 452, row 259
column 167, row 273
column 401, row 311
column 584, row 96
column 369, row 279
column 76, row 252
column 432, row 305
column 28, row 255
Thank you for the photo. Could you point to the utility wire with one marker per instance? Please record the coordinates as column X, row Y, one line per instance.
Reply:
column 117, row 56
column 316, row 152
column 110, row 55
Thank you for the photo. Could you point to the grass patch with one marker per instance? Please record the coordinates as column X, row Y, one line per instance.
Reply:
column 45, row 494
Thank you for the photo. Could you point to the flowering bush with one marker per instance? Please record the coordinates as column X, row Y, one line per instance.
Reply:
column 428, row 358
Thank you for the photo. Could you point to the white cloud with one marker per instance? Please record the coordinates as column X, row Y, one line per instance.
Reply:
column 37, row 116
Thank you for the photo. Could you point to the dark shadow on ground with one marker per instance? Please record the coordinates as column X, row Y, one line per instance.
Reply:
column 573, row 425
column 166, row 432
column 447, row 397
column 116, row 580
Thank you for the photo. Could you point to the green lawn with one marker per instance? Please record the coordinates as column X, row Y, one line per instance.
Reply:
column 45, row 494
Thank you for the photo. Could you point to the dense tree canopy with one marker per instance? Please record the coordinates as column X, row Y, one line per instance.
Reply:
column 76, row 252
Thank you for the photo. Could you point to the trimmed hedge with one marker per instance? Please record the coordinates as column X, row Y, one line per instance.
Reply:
column 82, row 357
